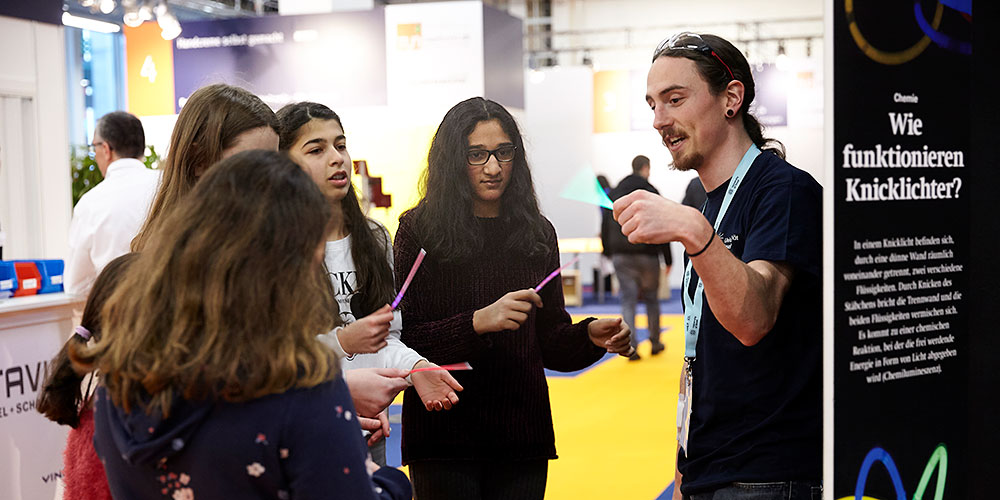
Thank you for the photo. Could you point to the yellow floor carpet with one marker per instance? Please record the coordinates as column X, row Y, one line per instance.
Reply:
column 615, row 424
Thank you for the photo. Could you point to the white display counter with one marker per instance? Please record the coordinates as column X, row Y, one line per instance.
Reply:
column 32, row 330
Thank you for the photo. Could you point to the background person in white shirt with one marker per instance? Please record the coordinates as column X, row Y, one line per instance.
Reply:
column 108, row 216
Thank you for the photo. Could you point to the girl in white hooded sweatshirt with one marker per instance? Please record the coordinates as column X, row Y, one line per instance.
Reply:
column 358, row 257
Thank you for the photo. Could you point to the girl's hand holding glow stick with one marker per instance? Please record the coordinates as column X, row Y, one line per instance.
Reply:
column 451, row 367
column 436, row 387
column 367, row 334
column 507, row 313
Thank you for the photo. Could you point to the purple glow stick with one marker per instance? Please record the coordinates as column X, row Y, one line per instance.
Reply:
column 452, row 367
column 409, row 278
column 556, row 273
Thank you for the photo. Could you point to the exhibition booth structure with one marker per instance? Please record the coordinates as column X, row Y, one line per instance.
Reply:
column 390, row 72
column 907, row 323
column 32, row 330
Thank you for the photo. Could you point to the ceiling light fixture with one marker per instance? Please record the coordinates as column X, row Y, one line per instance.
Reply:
column 782, row 61
column 107, row 6
column 85, row 23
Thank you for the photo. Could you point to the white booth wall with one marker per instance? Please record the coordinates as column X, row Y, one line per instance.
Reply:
column 35, row 201
column 559, row 115
column 35, row 211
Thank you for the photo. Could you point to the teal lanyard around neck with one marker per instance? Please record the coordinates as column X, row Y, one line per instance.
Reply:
column 693, row 305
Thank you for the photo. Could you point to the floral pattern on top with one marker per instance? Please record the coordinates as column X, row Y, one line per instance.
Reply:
column 246, row 447
column 184, row 494
column 255, row 469
column 175, row 485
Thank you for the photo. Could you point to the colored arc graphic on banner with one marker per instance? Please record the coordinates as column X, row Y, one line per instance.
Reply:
column 880, row 455
column 890, row 58
column 944, row 41
column 938, row 460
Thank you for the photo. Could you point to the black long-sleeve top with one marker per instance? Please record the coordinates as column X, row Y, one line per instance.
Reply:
column 611, row 232
column 504, row 411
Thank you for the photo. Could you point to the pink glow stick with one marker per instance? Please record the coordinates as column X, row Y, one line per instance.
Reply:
column 409, row 278
column 556, row 273
column 452, row 367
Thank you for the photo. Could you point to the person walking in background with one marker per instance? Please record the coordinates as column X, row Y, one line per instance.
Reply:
column 694, row 194
column 637, row 266
column 604, row 269
column 108, row 216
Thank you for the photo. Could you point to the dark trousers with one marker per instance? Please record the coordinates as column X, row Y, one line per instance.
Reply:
column 639, row 277
column 787, row 490
column 479, row 480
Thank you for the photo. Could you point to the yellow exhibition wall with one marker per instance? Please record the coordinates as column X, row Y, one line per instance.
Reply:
column 396, row 153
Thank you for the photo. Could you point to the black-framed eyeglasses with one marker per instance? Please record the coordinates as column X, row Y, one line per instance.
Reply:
column 93, row 146
column 503, row 154
column 690, row 41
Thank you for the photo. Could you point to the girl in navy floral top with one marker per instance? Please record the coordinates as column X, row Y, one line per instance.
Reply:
column 214, row 384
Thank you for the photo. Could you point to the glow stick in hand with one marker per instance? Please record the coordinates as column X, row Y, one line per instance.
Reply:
column 452, row 367
column 585, row 188
column 409, row 278
column 556, row 273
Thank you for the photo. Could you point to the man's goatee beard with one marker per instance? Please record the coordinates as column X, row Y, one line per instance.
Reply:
column 690, row 162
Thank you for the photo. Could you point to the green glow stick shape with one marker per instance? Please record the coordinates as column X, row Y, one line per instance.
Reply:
column 584, row 187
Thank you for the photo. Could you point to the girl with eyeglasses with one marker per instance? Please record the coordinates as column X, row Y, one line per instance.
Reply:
column 214, row 383
column 358, row 258
column 487, row 245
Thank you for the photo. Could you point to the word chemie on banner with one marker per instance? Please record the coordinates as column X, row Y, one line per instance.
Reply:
column 901, row 188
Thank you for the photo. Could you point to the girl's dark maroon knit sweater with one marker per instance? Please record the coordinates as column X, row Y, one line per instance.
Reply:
column 504, row 412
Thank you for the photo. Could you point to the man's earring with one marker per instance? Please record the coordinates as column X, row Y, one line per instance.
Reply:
column 730, row 113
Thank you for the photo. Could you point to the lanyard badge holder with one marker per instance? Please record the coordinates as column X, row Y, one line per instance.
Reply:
column 693, row 308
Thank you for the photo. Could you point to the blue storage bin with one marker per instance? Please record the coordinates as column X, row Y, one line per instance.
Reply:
column 51, row 273
column 8, row 279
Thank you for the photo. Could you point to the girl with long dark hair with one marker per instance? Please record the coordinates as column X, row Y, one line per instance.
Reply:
column 487, row 244
column 214, row 385
column 358, row 257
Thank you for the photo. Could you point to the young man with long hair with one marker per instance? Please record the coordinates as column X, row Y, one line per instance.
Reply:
column 751, row 409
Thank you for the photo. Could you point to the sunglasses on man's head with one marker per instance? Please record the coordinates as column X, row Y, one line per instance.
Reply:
column 690, row 41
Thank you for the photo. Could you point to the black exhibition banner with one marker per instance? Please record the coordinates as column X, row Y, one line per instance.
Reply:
column 902, row 85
